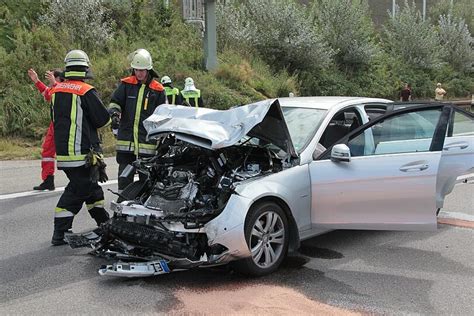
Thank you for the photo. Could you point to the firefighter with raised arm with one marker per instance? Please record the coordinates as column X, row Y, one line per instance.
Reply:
column 134, row 100
column 77, row 113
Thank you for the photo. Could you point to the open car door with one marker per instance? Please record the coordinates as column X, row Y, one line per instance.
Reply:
column 387, row 178
column 457, row 157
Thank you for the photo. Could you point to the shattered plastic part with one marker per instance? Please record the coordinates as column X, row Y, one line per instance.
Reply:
column 82, row 240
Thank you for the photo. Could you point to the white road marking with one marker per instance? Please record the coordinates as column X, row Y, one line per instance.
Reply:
column 32, row 193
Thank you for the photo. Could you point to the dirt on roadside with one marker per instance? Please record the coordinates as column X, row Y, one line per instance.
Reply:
column 252, row 300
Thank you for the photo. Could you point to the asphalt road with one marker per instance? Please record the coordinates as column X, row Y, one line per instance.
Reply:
column 342, row 272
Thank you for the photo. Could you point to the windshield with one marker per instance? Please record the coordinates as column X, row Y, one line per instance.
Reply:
column 302, row 124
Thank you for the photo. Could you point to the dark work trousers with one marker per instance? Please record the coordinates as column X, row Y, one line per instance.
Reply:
column 79, row 190
column 125, row 159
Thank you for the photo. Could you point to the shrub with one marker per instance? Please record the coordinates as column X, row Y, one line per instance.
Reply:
column 457, row 42
column 409, row 38
column 348, row 28
column 279, row 30
column 85, row 21
column 463, row 9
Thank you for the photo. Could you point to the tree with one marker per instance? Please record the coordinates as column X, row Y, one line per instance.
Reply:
column 347, row 27
column 457, row 42
column 414, row 41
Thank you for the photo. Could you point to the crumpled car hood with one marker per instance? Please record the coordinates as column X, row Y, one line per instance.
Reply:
column 214, row 129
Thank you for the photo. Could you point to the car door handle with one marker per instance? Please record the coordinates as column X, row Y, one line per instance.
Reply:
column 460, row 145
column 419, row 167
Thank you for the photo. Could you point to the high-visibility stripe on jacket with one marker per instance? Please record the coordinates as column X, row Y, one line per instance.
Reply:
column 192, row 95
column 77, row 114
column 136, row 102
column 171, row 93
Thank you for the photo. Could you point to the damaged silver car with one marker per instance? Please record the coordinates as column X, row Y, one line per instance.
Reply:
column 246, row 185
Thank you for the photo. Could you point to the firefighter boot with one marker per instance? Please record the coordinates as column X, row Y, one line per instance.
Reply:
column 61, row 226
column 47, row 184
column 99, row 214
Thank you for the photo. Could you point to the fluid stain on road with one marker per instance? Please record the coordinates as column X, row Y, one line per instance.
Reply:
column 321, row 253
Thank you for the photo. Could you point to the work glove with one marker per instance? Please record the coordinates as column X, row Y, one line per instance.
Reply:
column 102, row 174
column 95, row 161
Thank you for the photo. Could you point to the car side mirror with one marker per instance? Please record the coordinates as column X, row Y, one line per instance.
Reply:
column 341, row 152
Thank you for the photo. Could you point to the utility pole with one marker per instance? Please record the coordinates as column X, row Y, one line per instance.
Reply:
column 210, row 37
column 424, row 10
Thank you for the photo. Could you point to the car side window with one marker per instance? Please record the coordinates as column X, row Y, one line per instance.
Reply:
column 462, row 125
column 403, row 133
column 374, row 111
column 342, row 123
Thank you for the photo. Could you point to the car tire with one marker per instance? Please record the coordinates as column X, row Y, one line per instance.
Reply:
column 131, row 191
column 267, row 235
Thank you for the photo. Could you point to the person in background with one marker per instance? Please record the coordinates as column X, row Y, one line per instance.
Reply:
column 439, row 92
column 172, row 94
column 405, row 93
column 191, row 95
column 77, row 114
column 48, row 149
column 134, row 100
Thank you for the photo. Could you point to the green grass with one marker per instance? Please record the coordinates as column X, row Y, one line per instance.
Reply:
column 19, row 148
column 12, row 148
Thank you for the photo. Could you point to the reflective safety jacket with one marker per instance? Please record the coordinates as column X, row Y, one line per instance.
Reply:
column 173, row 95
column 192, row 97
column 77, row 113
column 135, row 102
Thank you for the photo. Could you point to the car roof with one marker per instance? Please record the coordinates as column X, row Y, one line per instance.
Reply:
column 326, row 103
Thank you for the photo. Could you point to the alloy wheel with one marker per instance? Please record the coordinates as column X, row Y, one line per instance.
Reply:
column 267, row 239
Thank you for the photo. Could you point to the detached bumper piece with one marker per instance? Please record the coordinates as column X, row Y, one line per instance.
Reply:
column 135, row 269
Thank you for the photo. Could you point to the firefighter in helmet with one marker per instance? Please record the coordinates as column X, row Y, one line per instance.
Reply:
column 77, row 113
column 172, row 93
column 134, row 100
column 191, row 95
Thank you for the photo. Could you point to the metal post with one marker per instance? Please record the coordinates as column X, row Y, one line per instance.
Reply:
column 424, row 10
column 210, row 37
column 393, row 9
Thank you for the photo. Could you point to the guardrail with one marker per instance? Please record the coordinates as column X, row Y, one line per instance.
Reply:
column 464, row 104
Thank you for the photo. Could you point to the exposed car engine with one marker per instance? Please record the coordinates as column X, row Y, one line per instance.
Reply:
column 191, row 184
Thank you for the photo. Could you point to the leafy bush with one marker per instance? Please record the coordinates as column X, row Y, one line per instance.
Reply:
column 463, row 9
column 457, row 42
column 409, row 38
column 85, row 21
column 348, row 28
column 280, row 31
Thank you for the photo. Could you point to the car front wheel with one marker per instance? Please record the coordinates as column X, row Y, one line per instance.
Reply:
column 266, row 233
